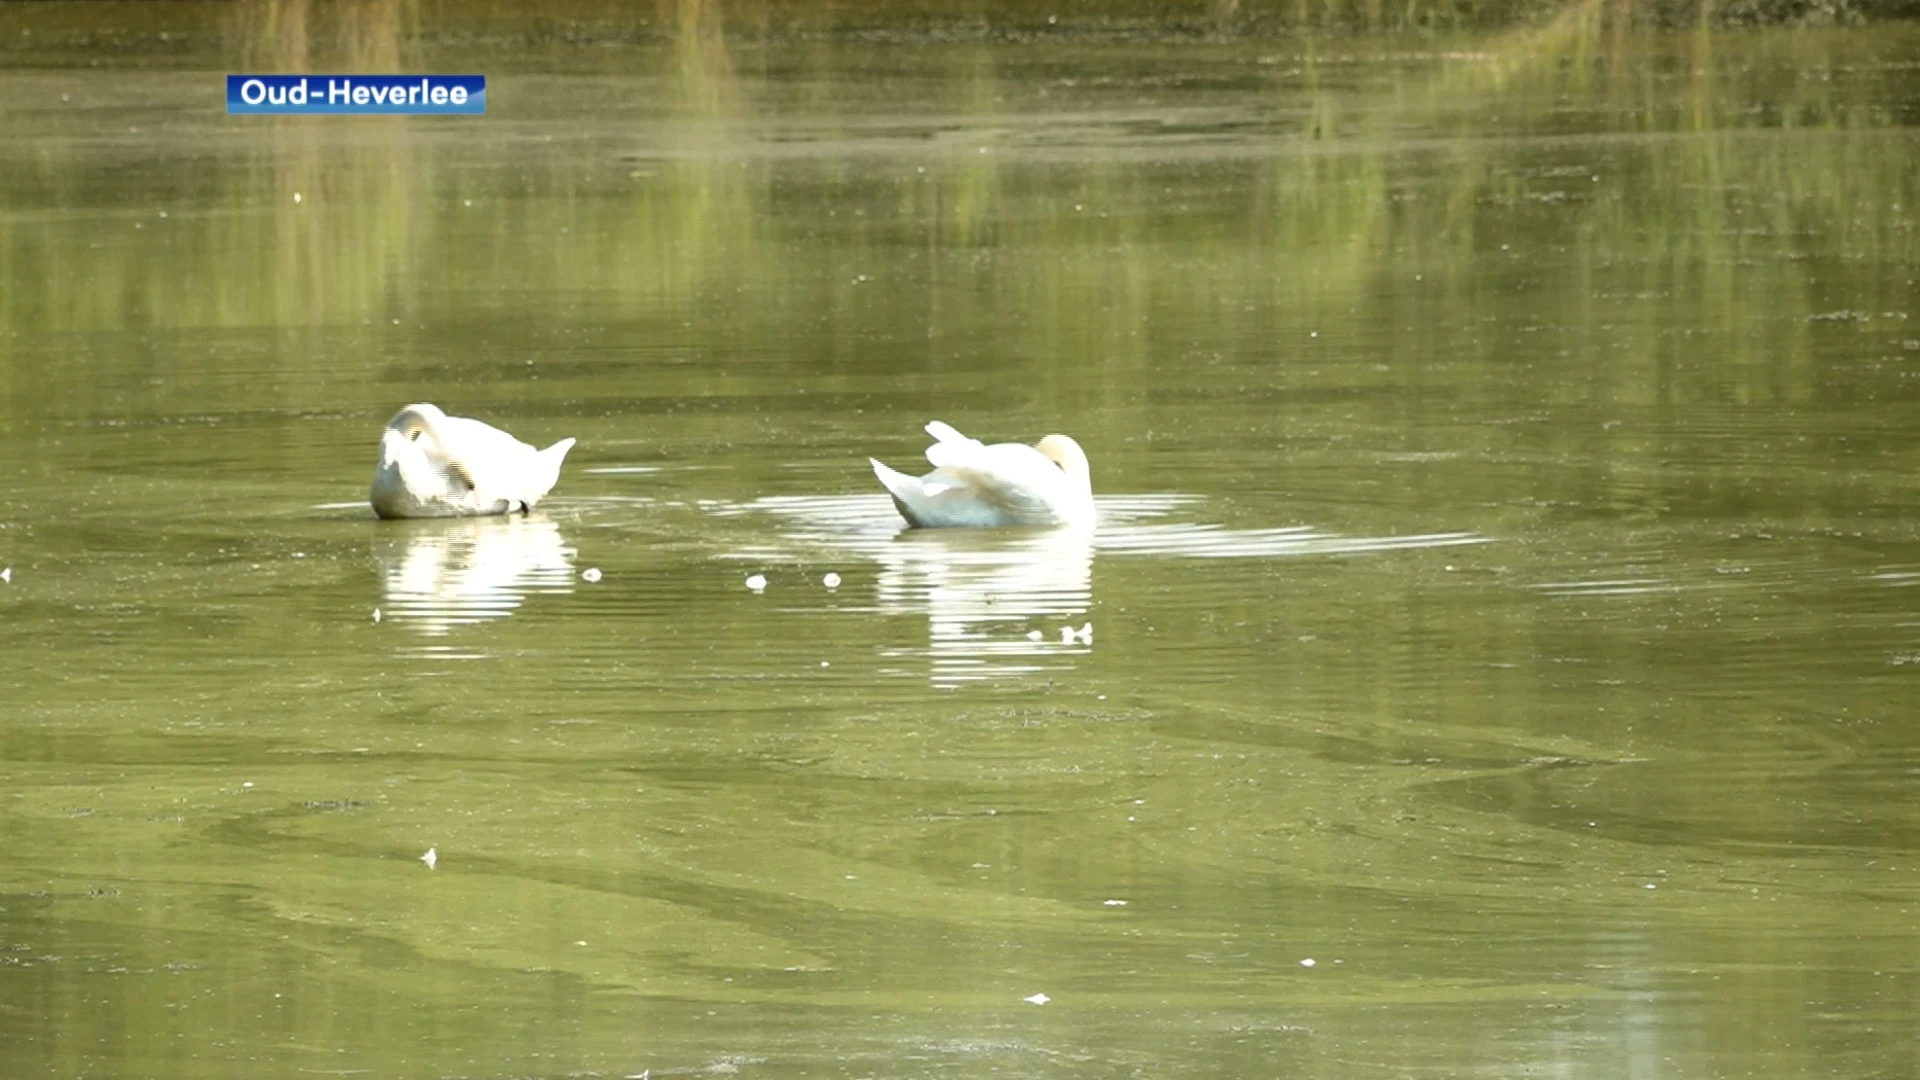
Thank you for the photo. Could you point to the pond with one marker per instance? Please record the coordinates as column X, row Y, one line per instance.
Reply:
column 1496, row 656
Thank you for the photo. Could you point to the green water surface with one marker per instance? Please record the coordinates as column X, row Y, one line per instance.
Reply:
column 1501, row 643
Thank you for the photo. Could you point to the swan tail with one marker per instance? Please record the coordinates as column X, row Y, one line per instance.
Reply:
column 906, row 490
column 546, row 472
column 897, row 483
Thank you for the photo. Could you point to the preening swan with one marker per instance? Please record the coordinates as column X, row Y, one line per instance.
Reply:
column 435, row 465
column 1003, row 484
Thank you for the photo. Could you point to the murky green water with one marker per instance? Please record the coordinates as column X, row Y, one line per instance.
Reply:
column 1503, row 646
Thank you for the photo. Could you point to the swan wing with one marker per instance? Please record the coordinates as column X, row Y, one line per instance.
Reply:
column 949, row 445
column 478, row 443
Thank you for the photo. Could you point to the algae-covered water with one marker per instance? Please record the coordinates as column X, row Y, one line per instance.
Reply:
column 1498, row 655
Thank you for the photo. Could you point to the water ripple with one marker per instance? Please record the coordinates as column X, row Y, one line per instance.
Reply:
column 1001, row 603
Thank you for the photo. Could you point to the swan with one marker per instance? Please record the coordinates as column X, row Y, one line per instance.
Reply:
column 435, row 465
column 1003, row 484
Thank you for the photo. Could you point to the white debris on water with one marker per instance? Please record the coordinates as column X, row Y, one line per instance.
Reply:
column 1036, row 999
column 7, row 575
column 757, row 582
column 376, row 614
column 1116, row 903
column 590, row 575
column 296, row 196
column 1068, row 635
column 1035, row 635
column 1308, row 962
column 831, row 581
column 431, row 858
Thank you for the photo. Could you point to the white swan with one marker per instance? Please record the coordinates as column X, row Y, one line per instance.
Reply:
column 1003, row 484
column 435, row 465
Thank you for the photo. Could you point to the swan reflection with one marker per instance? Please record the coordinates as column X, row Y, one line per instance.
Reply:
column 994, row 599
column 441, row 574
column 1001, row 603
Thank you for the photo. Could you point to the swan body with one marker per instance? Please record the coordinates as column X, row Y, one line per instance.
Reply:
column 974, row 484
column 435, row 465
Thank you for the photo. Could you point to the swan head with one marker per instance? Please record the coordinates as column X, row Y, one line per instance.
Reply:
column 1064, row 452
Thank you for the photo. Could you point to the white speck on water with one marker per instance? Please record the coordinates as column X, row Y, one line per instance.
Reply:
column 1116, row 903
column 376, row 614
column 431, row 858
column 852, row 877
column 1313, row 333
column 1036, row 999
column 831, row 581
column 296, row 196
column 247, row 784
column 163, row 213
column 1099, row 697
column 756, row 582
column 1035, row 635
column 582, row 944
column 823, row 663
column 1649, row 885
column 1308, row 962
column 7, row 575
column 590, row 575
column 1068, row 635
column 466, row 202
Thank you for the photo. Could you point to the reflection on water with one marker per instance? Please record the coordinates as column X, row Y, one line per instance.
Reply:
column 993, row 602
column 442, row 574
column 999, row 602
column 1636, row 310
